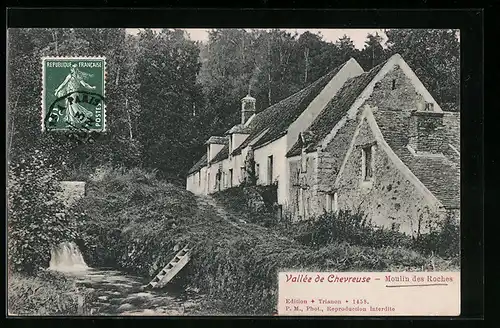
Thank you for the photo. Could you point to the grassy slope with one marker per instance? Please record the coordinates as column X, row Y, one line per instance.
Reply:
column 133, row 221
column 48, row 293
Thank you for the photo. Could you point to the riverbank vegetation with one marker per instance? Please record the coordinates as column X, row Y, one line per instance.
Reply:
column 45, row 293
column 37, row 223
column 131, row 220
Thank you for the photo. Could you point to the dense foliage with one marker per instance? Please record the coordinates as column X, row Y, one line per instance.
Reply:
column 36, row 219
column 47, row 293
column 129, row 214
column 353, row 228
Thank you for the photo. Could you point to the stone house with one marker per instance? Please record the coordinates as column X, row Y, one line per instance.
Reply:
column 382, row 147
column 374, row 142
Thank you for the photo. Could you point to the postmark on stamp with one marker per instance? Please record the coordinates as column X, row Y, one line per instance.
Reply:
column 73, row 95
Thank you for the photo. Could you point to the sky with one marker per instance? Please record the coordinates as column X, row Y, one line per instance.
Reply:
column 357, row 35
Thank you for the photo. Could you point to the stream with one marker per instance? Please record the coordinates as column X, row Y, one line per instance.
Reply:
column 118, row 293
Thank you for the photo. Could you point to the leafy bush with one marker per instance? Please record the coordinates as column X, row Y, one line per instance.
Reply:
column 47, row 293
column 444, row 240
column 129, row 213
column 36, row 220
column 346, row 227
column 251, row 203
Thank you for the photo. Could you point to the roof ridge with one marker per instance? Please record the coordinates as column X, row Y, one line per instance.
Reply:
column 307, row 87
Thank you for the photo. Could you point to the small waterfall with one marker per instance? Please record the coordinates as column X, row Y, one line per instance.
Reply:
column 67, row 257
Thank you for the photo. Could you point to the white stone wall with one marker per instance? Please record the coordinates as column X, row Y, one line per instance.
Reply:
column 197, row 182
column 277, row 149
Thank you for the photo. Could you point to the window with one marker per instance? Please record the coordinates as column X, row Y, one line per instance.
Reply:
column 218, row 180
column 303, row 160
column 199, row 178
column 335, row 206
column 230, row 177
column 331, row 202
column 257, row 170
column 208, row 182
column 393, row 84
column 270, row 169
column 301, row 202
column 242, row 173
column 367, row 163
column 307, row 207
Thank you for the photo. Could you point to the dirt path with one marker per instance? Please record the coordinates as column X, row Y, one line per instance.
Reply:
column 251, row 229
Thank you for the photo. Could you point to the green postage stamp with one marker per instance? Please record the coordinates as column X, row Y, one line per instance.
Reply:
column 73, row 94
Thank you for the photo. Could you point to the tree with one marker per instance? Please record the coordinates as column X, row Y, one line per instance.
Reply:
column 36, row 222
column 373, row 53
column 250, row 174
column 312, row 47
column 345, row 47
column 434, row 55
column 167, row 69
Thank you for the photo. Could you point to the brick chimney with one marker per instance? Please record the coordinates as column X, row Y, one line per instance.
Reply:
column 247, row 108
column 426, row 133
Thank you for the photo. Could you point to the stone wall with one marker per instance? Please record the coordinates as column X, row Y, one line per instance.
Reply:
column 403, row 97
column 331, row 158
column 390, row 199
column 451, row 121
column 426, row 132
column 322, row 169
column 303, row 185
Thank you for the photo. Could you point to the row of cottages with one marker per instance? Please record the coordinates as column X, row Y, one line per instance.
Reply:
column 373, row 142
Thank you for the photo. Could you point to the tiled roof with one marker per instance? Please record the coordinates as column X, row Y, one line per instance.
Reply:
column 439, row 174
column 218, row 140
column 201, row 163
column 240, row 128
column 335, row 110
column 279, row 116
column 295, row 150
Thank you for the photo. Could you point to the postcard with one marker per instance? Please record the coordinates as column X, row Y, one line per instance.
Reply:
column 248, row 172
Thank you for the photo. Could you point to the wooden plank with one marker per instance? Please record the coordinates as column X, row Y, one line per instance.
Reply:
column 174, row 271
column 171, row 269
